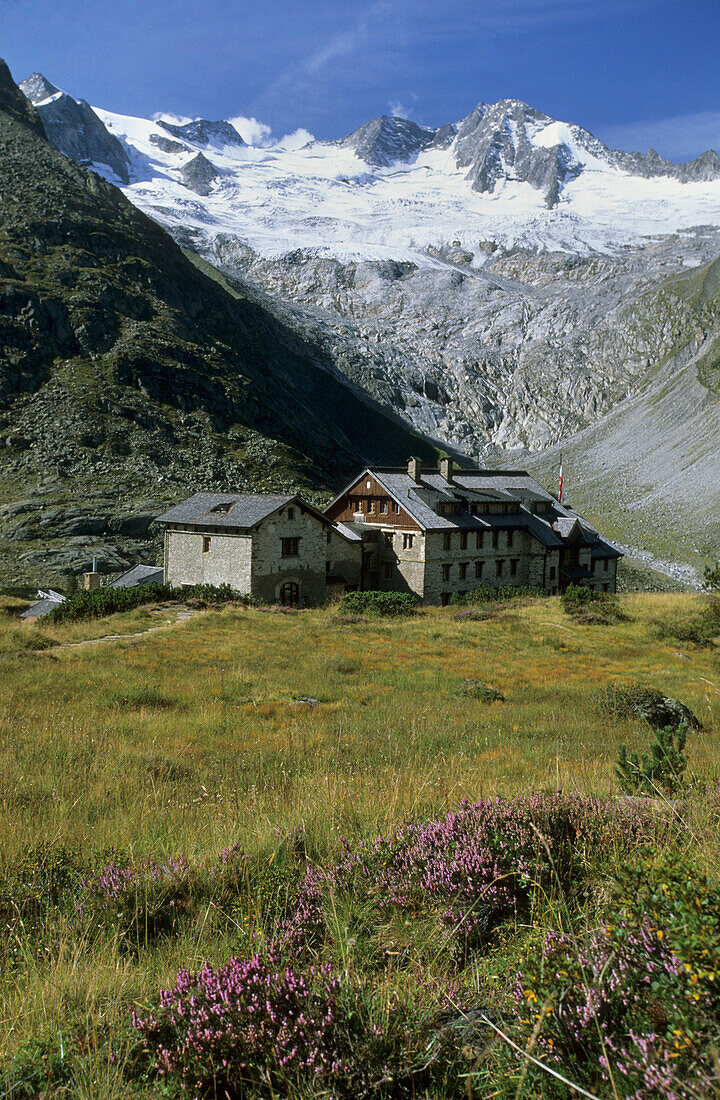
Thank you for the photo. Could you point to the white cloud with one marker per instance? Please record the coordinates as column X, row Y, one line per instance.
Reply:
column 175, row 120
column 681, row 137
column 252, row 131
column 296, row 140
column 397, row 110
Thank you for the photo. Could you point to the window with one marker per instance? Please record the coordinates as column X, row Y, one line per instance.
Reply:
column 290, row 548
column 495, row 539
column 207, row 542
column 368, row 484
column 552, row 572
column 480, row 539
column 291, row 513
column 606, row 588
column 511, row 535
column 329, row 537
column 327, row 566
column 383, row 507
column 513, row 567
column 371, row 506
column 446, row 572
column 463, row 570
column 396, row 507
column 388, row 538
column 408, row 541
column 387, row 569
column 499, row 567
column 463, row 541
column 478, row 568
column 447, row 540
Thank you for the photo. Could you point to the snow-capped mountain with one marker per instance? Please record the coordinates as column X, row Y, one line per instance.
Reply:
column 507, row 280
column 392, row 189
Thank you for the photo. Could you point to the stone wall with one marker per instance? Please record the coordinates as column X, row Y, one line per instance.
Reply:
column 407, row 564
column 270, row 570
column 227, row 561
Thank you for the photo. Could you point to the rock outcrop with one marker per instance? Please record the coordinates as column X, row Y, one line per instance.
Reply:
column 73, row 127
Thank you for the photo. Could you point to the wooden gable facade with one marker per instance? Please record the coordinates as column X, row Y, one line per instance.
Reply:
column 368, row 496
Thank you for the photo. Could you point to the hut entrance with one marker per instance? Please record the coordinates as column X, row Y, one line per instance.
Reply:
column 290, row 594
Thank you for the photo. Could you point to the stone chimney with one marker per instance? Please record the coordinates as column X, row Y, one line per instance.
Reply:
column 92, row 579
column 415, row 469
column 446, row 468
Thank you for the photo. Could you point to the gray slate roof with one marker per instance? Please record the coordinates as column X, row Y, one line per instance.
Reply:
column 206, row 509
column 421, row 499
column 140, row 574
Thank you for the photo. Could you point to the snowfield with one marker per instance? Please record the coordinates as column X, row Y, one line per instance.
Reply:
column 324, row 199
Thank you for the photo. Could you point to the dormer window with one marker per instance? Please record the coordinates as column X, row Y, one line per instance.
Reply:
column 220, row 509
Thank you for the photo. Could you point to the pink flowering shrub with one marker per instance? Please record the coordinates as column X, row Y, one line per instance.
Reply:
column 256, row 1025
column 472, row 866
column 145, row 899
column 634, row 1006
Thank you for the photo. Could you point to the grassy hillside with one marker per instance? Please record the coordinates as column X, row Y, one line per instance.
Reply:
column 206, row 790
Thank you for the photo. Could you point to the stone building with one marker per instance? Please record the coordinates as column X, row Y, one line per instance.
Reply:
column 278, row 548
column 435, row 533
column 442, row 532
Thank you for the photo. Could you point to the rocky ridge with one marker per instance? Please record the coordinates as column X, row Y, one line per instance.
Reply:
column 73, row 127
column 131, row 374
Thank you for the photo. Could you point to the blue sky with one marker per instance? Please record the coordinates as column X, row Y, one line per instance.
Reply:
column 635, row 72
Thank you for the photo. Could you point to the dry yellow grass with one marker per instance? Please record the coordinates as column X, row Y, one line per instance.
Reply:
column 192, row 738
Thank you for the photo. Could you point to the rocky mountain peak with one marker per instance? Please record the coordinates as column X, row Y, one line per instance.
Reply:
column 198, row 174
column 73, row 127
column 15, row 104
column 37, row 88
column 386, row 139
column 204, row 132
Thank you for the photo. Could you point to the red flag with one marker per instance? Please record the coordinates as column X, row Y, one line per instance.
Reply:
column 560, row 486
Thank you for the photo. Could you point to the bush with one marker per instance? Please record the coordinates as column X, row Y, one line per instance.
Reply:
column 379, row 603
column 632, row 1008
column 99, row 602
column 469, row 869
column 486, row 593
column 700, row 630
column 660, row 771
column 588, row 606
column 257, row 1025
column 712, row 576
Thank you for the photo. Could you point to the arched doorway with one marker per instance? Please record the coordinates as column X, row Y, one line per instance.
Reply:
column 290, row 594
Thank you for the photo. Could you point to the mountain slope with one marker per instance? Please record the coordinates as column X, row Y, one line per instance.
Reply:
column 126, row 372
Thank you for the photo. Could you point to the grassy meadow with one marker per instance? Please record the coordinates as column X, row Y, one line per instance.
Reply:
column 289, row 740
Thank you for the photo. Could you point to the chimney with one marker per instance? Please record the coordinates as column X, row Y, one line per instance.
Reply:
column 415, row 469
column 446, row 468
column 93, row 579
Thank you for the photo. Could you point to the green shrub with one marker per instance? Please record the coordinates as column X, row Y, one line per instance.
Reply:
column 630, row 1007
column 99, row 602
column 700, row 630
column 486, row 593
column 712, row 576
column 587, row 605
column 660, row 771
column 379, row 603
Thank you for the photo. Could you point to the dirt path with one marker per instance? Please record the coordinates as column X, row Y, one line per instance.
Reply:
column 183, row 615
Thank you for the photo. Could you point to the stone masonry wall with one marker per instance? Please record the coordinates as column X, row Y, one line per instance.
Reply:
column 226, row 562
column 270, row 570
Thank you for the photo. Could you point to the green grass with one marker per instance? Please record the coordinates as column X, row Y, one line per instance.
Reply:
column 195, row 738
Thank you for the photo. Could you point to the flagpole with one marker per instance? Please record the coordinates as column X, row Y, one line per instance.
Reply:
column 560, row 482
